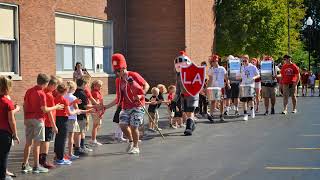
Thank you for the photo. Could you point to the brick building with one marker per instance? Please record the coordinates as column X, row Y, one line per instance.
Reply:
column 50, row 36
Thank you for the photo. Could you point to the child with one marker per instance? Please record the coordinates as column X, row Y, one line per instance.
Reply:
column 35, row 109
column 72, row 124
column 8, row 128
column 177, row 114
column 152, row 109
column 172, row 92
column 82, row 118
column 50, row 125
column 118, row 134
column 97, row 120
column 311, row 82
column 61, row 122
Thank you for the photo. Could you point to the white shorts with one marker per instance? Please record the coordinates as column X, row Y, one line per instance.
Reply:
column 257, row 85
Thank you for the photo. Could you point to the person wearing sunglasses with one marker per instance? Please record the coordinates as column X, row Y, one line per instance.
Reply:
column 131, row 88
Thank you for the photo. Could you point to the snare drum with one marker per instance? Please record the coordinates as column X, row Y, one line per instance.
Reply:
column 214, row 93
column 247, row 91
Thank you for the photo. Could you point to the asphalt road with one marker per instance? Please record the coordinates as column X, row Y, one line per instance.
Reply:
column 264, row 148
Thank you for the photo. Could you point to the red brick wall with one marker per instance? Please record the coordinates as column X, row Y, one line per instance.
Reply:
column 37, row 36
column 155, row 36
column 200, row 24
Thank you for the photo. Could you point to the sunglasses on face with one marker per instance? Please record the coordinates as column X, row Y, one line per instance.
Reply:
column 117, row 71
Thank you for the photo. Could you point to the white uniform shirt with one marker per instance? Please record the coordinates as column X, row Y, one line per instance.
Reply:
column 312, row 79
column 247, row 74
column 70, row 97
column 217, row 75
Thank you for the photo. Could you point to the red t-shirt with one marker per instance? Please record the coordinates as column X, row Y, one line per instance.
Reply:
column 97, row 96
column 6, row 105
column 127, row 91
column 61, row 100
column 289, row 73
column 50, row 103
column 88, row 92
column 34, row 99
column 304, row 78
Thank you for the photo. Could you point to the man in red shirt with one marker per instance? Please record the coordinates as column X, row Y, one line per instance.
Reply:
column 290, row 77
column 35, row 108
column 304, row 81
column 130, row 91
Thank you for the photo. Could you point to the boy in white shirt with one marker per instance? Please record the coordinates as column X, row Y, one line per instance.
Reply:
column 217, row 78
column 249, row 73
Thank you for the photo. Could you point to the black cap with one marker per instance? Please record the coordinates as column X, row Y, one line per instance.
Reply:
column 286, row 57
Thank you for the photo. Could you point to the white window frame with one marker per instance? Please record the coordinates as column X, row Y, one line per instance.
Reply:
column 92, row 71
column 16, row 44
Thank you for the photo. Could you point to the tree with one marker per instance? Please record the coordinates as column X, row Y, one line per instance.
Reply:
column 313, row 11
column 257, row 27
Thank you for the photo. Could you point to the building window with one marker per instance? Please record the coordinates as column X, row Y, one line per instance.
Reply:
column 9, row 58
column 82, row 40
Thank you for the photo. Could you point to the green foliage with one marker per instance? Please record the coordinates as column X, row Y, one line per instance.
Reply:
column 258, row 27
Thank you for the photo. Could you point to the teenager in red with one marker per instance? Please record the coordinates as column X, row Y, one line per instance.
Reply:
column 130, row 90
column 290, row 77
column 8, row 128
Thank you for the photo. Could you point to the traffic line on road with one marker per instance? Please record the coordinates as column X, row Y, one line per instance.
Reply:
column 310, row 135
column 315, row 124
column 291, row 168
column 304, row 148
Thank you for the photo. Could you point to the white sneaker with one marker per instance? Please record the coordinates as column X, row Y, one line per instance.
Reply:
column 245, row 117
column 159, row 129
column 130, row 147
column 253, row 114
column 95, row 142
column 134, row 150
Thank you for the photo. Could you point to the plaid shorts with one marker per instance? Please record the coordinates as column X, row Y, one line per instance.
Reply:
column 132, row 117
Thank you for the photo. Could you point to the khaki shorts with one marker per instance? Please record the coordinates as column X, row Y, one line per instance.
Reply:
column 268, row 92
column 83, row 126
column 154, row 116
column 34, row 130
column 96, row 119
column 289, row 90
column 73, row 126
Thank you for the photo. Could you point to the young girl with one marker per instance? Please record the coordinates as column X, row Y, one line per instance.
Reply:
column 97, row 116
column 172, row 92
column 8, row 129
column 62, row 125
column 72, row 124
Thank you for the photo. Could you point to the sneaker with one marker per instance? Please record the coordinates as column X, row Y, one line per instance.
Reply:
column 210, row 118
column 81, row 152
column 284, row 112
column 266, row 113
column 26, row 168
column 294, row 111
column 134, row 150
column 96, row 143
column 253, row 114
column 272, row 111
column 159, row 129
column 88, row 148
column 130, row 147
column 73, row 157
column 245, row 117
column 226, row 113
column 183, row 125
column 222, row 119
column 122, row 139
column 39, row 169
column 63, row 162
column 174, row 127
column 8, row 178
column 48, row 165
